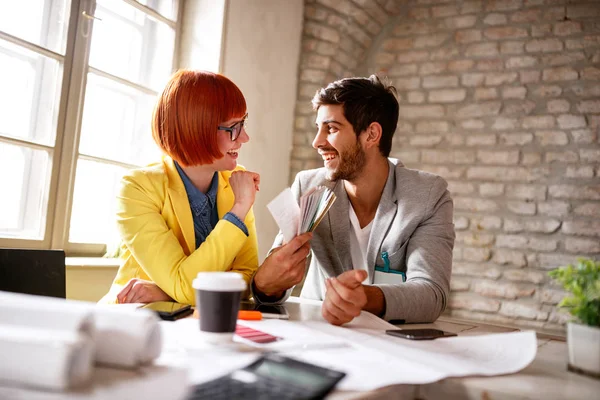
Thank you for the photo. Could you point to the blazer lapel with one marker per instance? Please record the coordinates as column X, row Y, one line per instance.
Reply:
column 225, row 198
column 181, row 204
column 339, row 221
column 386, row 212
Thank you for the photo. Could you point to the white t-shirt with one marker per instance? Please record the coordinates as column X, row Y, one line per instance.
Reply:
column 359, row 241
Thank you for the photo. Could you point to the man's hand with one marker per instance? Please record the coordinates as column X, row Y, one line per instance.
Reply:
column 345, row 297
column 141, row 291
column 284, row 267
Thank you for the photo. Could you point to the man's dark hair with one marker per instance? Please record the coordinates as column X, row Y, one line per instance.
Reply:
column 364, row 100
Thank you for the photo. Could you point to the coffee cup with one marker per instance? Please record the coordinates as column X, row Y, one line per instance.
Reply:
column 218, row 296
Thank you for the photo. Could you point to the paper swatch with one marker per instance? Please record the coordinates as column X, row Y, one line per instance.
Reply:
column 294, row 220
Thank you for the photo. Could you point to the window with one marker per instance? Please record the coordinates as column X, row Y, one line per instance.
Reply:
column 78, row 80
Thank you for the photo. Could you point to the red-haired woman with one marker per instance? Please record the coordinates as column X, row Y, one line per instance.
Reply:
column 192, row 212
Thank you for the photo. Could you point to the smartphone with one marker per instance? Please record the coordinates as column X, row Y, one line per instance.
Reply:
column 169, row 310
column 419, row 334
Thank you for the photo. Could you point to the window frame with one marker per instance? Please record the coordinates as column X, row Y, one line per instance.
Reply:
column 63, row 155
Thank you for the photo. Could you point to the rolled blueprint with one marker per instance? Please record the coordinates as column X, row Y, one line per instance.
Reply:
column 52, row 359
column 126, row 338
column 122, row 337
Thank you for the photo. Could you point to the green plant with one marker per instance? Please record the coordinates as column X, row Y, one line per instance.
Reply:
column 583, row 281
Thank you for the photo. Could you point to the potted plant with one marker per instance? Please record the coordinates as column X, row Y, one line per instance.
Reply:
column 583, row 334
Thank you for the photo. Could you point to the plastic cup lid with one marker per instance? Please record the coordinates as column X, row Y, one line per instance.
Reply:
column 220, row 282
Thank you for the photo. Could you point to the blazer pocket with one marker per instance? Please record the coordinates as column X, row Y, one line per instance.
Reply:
column 398, row 258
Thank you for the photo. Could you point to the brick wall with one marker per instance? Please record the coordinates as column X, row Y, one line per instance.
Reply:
column 502, row 99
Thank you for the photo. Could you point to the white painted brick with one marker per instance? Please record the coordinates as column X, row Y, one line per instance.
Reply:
column 472, row 79
column 425, row 140
column 412, row 56
column 526, row 192
column 456, row 187
column 407, row 83
column 466, row 21
column 434, row 40
column 514, row 92
column 560, row 74
column 476, row 254
column 498, row 157
column 550, row 261
column 468, row 36
column 500, row 78
column 403, row 69
column 489, row 49
column 553, row 208
column 461, row 223
column 454, row 139
column 584, row 136
column 581, row 228
column 525, row 275
column 476, row 239
column 419, row 112
column 521, row 62
column 474, row 205
column 508, row 174
column 546, row 91
column 486, row 223
column 529, row 77
column 588, row 192
column 505, row 32
column 472, row 302
column 519, row 107
column 561, row 156
column 558, row 106
column 582, row 246
column 444, row 157
column 504, row 290
column 481, row 140
column 542, row 226
column 447, row 96
column 569, row 121
column 479, row 110
column 513, row 226
column 531, row 158
column 485, row 93
column 415, row 97
column 579, row 172
column 459, row 284
column 492, row 64
column 526, row 242
column 472, row 124
column 588, row 210
column 432, row 126
column 509, row 257
column 477, row 270
column 552, row 138
column 407, row 156
column 504, row 123
column 491, row 189
column 566, row 28
column 562, row 59
column 512, row 47
column 589, row 106
column 495, row 19
column 544, row 45
column 551, row 296
column 526, row 311
column 440, row 81
column 446, row 172
column 590, row 155
column 521, row 207
column 538, row 122
column 431, row 68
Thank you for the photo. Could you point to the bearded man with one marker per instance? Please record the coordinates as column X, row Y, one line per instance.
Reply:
column 386, row 244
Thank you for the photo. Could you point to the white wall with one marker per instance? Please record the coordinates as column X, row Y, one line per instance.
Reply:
column 256, row 43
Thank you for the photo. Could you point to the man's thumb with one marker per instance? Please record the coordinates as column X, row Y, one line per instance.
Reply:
column 354, row 278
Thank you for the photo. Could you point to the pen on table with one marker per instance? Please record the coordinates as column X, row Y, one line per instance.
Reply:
column 257, row 315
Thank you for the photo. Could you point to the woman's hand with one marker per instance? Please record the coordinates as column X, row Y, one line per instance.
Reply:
column 244, row 185
column 141, row 291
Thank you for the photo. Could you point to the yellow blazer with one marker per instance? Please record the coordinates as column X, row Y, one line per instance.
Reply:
column 158, row 240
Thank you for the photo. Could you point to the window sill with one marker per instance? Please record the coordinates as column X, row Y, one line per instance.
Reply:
column 91, row 262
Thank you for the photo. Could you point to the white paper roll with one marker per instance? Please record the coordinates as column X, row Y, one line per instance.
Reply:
column 126, row 338
column 51, row 359
column 47, row 313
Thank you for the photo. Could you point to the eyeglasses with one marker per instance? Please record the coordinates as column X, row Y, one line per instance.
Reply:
column 236, row 129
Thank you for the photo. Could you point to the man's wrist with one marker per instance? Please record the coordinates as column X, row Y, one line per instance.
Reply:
column 375, row 300
column 265, row 290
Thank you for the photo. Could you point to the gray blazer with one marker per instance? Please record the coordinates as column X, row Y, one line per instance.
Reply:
column 413, row 224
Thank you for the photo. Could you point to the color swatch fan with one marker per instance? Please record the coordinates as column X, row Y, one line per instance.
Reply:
column 293, row 219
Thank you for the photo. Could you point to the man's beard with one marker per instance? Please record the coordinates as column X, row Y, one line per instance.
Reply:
column 351, row 164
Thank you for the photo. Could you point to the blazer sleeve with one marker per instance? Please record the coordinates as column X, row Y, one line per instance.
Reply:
column 158, row 251
column 428, row 263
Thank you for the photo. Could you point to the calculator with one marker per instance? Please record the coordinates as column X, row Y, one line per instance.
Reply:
column 271, row 377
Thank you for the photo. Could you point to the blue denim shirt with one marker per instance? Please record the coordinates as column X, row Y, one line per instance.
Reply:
column 204, row 208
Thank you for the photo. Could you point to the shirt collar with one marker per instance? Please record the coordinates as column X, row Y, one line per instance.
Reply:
column 198, row 200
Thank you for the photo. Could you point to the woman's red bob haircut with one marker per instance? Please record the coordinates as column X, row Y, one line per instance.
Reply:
column 186, row 116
